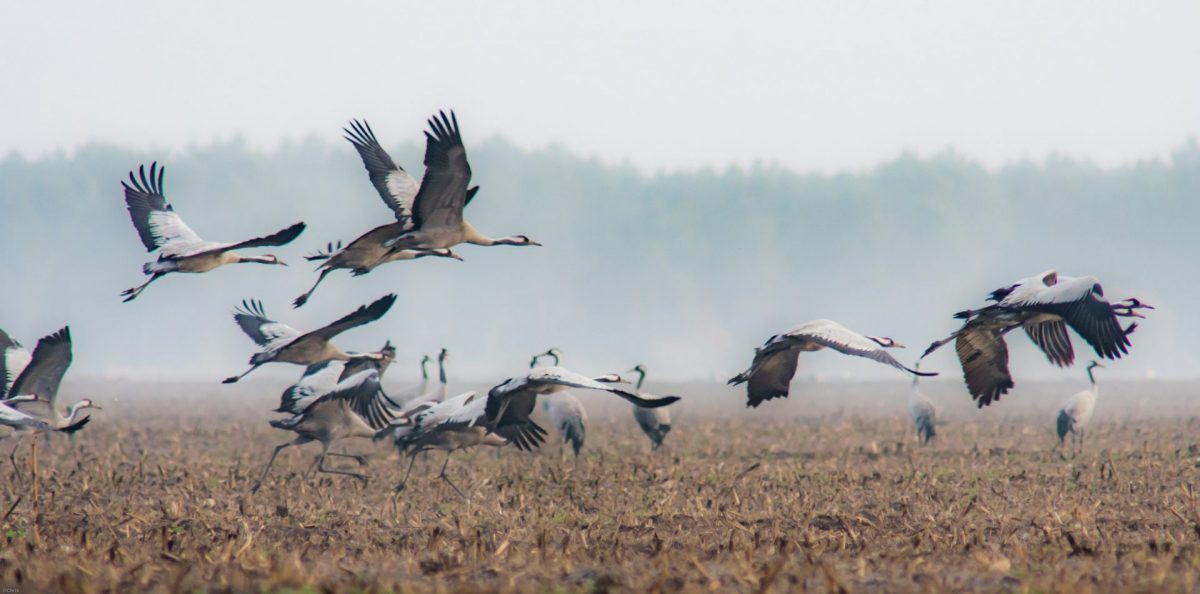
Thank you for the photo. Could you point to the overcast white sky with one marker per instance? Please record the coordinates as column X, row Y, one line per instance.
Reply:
column 813, row 86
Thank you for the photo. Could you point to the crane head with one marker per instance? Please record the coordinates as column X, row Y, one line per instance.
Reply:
column 887, row 342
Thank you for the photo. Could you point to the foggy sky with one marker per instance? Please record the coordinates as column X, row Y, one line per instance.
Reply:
column 812, row 86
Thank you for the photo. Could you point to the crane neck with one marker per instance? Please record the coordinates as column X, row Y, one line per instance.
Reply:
column 1091, row 378
column 641, row 378
column 442, row 370
column 424, row 371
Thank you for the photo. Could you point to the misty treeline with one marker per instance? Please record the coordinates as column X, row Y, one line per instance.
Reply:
column 685, row 271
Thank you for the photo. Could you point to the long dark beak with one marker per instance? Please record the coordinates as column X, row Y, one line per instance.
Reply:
column 281, row 263
column 532, row 242
column 897, row 345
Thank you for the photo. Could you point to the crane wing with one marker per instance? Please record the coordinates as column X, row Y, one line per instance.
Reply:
column 443, row 192
column 264, row 331
column 363, row 315
column 770, row 374
column 1080, row 302
column 282, row 237
column 563, row 377
column 46, row 369
column 15, row 418
column 396, row 187
column 156, row 222
column 318, row 379
column 365, row 396
column 13, row 360
column 1052, row 338
column 984, row 358
column 844, row 340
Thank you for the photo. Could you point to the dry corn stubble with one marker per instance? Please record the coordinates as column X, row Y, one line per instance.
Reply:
column 746, row 501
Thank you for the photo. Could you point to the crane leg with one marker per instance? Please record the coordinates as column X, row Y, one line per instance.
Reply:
column 301, row 300
column 321, row 468
column 12, row 457
column 442, row 475
column 362, row 460
column 131, row 294
column 234, row 379
column 266, row 470
column 412, row 459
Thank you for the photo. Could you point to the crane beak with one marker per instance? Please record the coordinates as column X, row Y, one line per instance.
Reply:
column 281, row 263
column 897, row 345
column 532, row 242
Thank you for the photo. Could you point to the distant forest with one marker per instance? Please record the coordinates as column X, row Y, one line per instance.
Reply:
column 685, row 271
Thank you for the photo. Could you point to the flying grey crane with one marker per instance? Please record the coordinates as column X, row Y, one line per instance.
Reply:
column 921, row 411
column 356, row 407
column 774, row 366
column 1076, row 413
column 510, row 404
column 437, row 206
column 1044, row 305
column 451, row 425
column 566, row 412
column 283, row 344
column 41, row 379
column 13, row 359
column 180, row 248
column 655, row 422
column 362, row 256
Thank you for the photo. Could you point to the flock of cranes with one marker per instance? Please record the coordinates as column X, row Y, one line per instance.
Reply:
column 340, row 393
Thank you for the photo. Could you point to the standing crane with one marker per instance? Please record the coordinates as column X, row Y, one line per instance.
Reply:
column 566, row 412
column 418, row 395
column 1076, row 413
column 179, row 248
column 1044, row 306
column 770, row 375
column 655, row 422
column 283, row 344
column 921, row 411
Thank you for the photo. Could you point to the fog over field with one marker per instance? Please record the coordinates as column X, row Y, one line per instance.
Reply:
column 685, row 272
column 700, row 180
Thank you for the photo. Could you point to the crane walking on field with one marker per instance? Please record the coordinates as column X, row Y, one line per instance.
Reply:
column 1074, row 416
column 1044, row 306
column 283, row 344
column 180, row 248
column 770, row 375
column 655, row 422
column 355, row 407
column 451, row 425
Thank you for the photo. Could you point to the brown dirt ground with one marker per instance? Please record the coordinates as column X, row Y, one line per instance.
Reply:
column 795, row 496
